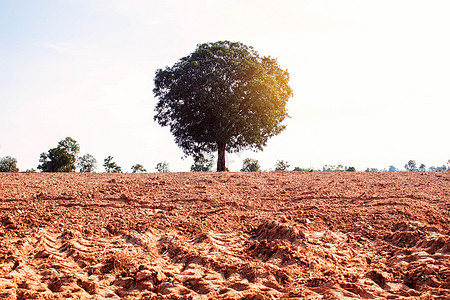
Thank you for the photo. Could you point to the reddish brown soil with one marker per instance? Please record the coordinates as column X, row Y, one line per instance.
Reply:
column 227, row 236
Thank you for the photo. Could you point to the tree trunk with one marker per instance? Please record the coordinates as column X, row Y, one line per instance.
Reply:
column 221, row 157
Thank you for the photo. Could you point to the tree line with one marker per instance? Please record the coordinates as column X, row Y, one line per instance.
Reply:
column 252, row 165
column 223, row 97
column 64, row 158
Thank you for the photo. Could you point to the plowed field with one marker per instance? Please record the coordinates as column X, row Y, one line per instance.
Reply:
column 225, row 236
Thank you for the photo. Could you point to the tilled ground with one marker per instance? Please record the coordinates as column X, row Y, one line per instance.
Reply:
column 225, row 235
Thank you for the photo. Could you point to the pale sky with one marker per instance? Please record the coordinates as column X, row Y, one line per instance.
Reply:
column 371, row 79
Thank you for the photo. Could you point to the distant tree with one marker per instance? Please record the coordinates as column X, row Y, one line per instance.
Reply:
column 328, row 168
column 250, row 165
column 162, row 167
column 393, row 169
column 411, row 166
column 222, row 97
column 371, row 170
column 350, row 169
column 8, row 164
column 32, row 170
column 298, row 169
column 138, row 168
column 60, row 159
column 87, row 163
column 281, row 165
column 202, row 164
column 332, row 168
column 110, row 166
column 434, row 169
column 422, row 168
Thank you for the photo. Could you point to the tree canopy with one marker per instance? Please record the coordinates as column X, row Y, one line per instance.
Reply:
column 162, row 167
column 60, row 159
column 8, row 164
column 202, row 164
column 222, row 97
column 282, row 165
column 250, row 165
column 87, row 163
column 111, row 166
column 138, row 168
column 411, row 166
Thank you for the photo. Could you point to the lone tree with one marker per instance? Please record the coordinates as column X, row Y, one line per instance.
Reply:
column 60, row 159
column 222, row 97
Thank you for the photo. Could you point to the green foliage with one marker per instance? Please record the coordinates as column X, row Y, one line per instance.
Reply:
column 371, row 170
column 298, row 169
column 8, row 164
column 69, row 145
column 281, row 165
column 202, row 164
column 350, row 169
column 111, row 166
column 250, row 165
column 32, row 170
column 411, row 166
column 87, row 163
column 392, row 169
column 60, row 159
column 162, row 167
column 138, row 168
column 333, row 168
column 222, row 97
column 434, row 169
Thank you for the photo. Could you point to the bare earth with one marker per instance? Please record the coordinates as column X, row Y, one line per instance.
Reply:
column 228, row 236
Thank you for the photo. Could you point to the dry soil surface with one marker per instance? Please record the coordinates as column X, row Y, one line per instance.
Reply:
column 227, row 236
